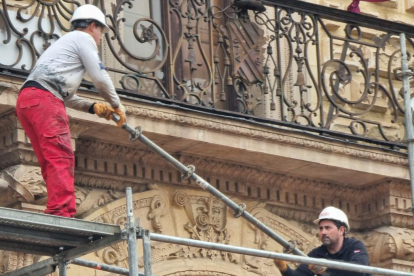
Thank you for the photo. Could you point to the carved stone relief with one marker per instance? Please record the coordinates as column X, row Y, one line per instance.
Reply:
column 207, row 221
column 89, row 200
column 22, row 183
column 386, row 243
column 10, row 261
column 304, row 241
column 193, row 214
column 367, row 206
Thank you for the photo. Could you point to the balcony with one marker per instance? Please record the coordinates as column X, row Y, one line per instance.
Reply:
column 282, row 62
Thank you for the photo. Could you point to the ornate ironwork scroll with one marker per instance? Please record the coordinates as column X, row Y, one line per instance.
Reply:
column 278, row 62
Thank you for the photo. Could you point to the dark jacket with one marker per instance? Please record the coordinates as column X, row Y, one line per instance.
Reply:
column 352, row 251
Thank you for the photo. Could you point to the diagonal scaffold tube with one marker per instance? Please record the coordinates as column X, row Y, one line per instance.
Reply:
column 188, row 172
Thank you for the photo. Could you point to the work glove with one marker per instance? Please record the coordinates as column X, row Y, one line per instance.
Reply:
column 317, row 269
column 103, row 110
column 281, row 265
column 120, row 111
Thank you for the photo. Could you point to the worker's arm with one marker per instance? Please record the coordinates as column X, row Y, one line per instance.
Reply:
column 80, row 103
column 302, row 270
column 359, row 255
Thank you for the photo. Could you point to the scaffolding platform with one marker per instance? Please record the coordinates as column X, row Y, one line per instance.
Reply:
column 48, row 235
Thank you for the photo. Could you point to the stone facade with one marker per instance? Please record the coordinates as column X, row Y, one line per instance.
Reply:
column 284, row 176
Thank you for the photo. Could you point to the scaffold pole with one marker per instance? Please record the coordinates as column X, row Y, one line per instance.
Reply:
column 132, row 235
column 409, row 129
column 189, row 173
column 275, row 255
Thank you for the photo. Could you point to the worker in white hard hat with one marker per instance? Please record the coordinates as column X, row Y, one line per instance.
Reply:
column 333, row 226
column 50, row 88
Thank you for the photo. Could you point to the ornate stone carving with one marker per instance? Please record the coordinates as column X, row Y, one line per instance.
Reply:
column 103, row 182
column 143, row 166
column 305, row 242
column 88, row 200
column 30, row 177
column 116, row 255
column 10, row 261
column 386, row 243
column 207, row 222
column 21, row 183
column 115, row 152
column 16, row 157
column 195, row 214
column 158, row 208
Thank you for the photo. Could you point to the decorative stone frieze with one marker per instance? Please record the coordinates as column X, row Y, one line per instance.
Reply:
column 196, row 215
column 106, row 166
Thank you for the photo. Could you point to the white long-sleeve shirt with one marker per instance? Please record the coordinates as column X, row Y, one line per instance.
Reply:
column 61, row 67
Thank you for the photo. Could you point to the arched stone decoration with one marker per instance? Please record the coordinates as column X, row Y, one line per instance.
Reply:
column 196, row 215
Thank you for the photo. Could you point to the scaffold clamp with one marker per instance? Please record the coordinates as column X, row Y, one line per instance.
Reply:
column 239, row 212
column 292, row 246
column 135, row 136
column 189, row 172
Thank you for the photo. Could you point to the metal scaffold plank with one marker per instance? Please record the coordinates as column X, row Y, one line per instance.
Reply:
column 40, row 237
column 93, row 246
column 29, row 248
column 30, row 220
column 44, row 267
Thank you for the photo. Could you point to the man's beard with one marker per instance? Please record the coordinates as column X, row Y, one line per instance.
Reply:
column 326, row 241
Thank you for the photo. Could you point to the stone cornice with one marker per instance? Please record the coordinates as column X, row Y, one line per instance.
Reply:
column 91, row 180
column 241, row 174
column 260, row 132
column 17, row 157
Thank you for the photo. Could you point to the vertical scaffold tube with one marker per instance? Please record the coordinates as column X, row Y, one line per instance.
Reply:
column 132, row 236
column 62, row 267
column 408, row 114
column 146, row 242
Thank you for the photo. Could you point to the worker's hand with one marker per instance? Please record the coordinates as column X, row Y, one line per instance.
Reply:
column 317, row 269
column 120, row 111
column 103, row 110
column 281, row 265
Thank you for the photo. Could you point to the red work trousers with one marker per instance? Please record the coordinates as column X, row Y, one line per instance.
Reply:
column 43, row 117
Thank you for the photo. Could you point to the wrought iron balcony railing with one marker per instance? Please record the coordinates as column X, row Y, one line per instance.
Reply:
column 283, row 62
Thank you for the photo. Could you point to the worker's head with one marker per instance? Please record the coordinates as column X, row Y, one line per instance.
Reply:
column 333, row 224
column 90, row 19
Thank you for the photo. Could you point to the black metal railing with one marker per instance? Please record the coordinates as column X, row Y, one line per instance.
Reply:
column 294, row 64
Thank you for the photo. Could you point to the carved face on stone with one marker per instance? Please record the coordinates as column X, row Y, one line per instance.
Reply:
column 209, row 212
column 330, row 235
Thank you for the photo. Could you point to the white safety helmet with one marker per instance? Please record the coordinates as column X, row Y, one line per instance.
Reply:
column 90, row 12
column 333, row 213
